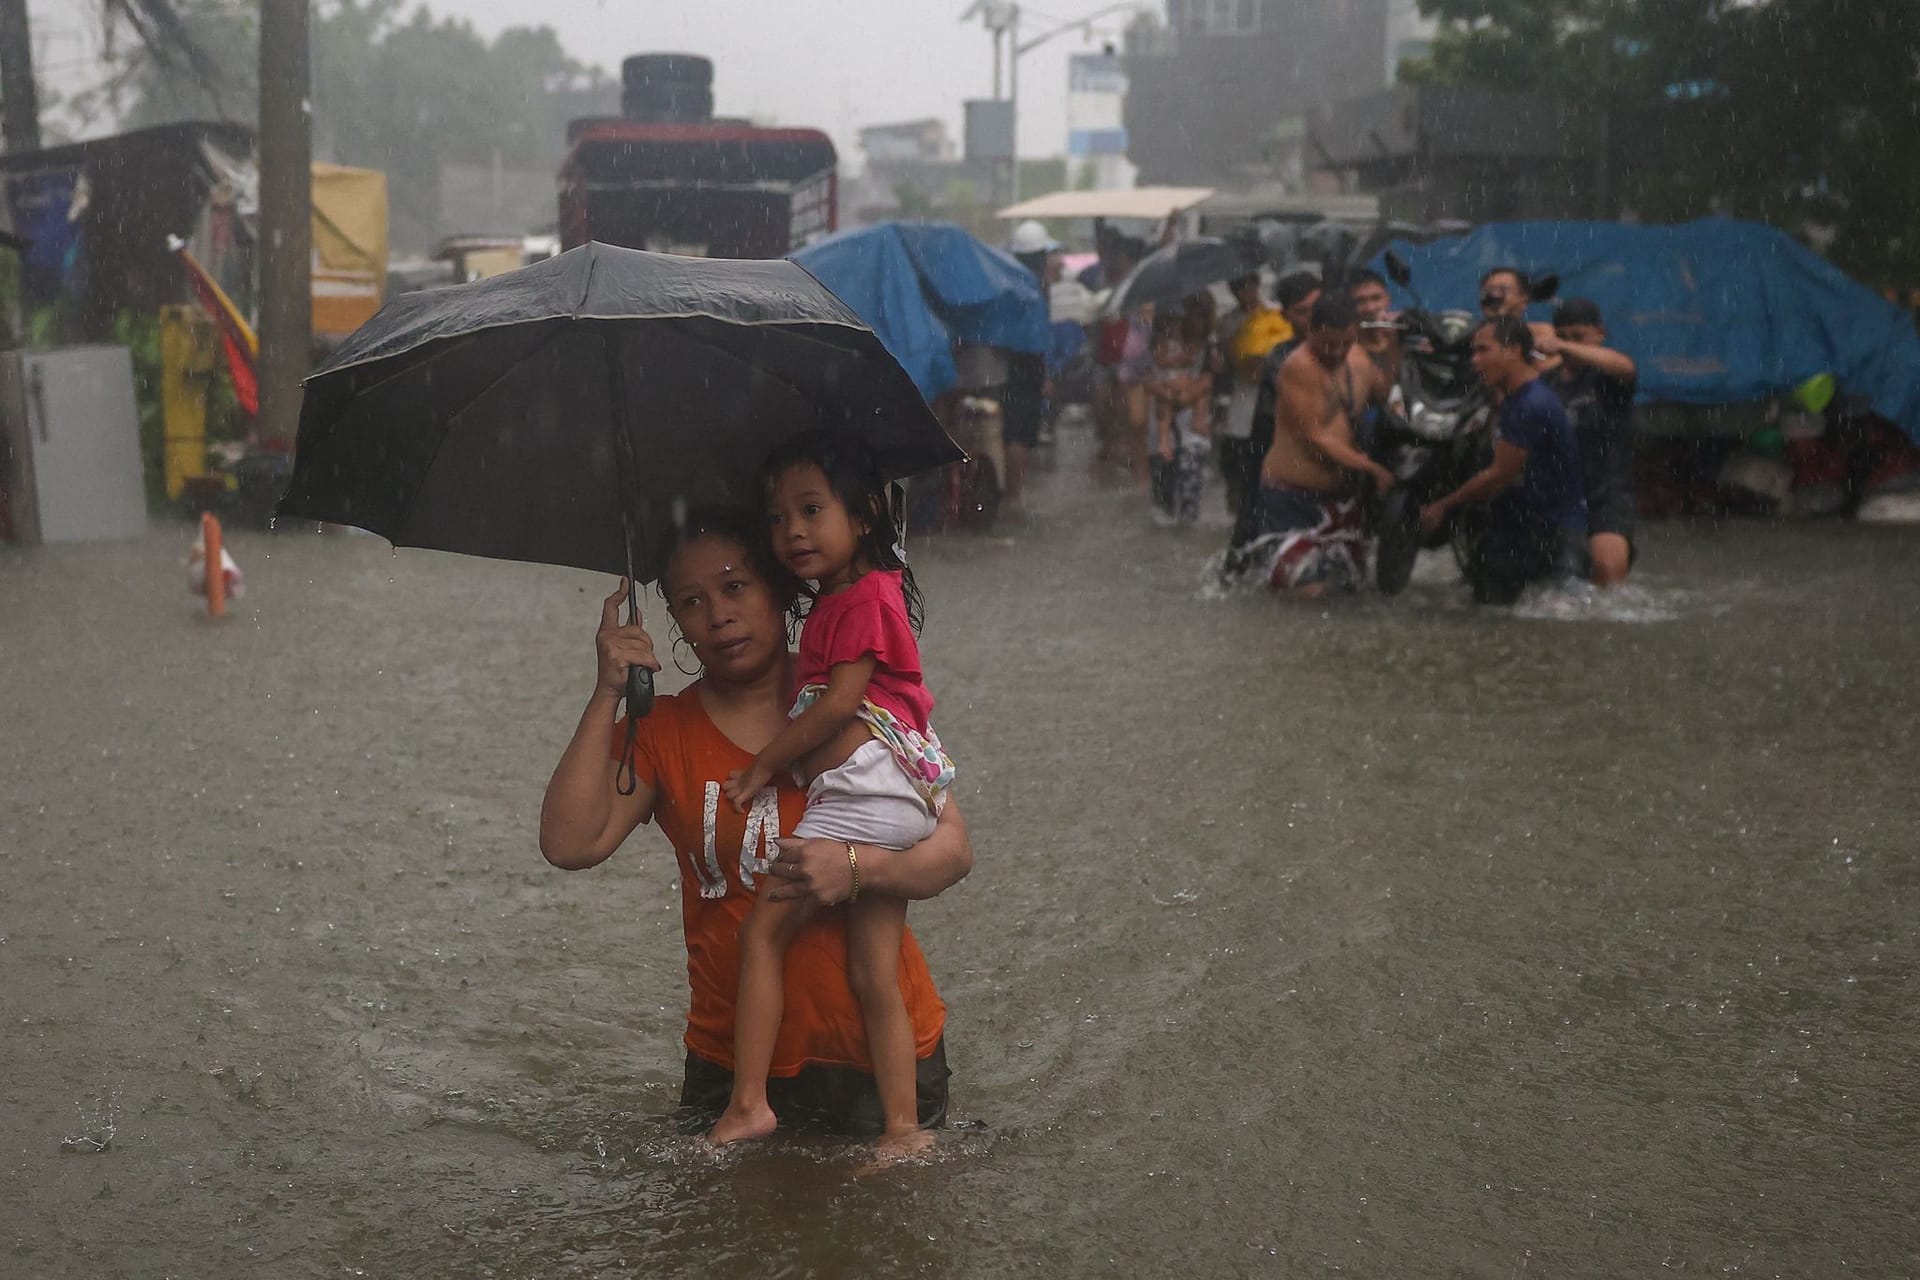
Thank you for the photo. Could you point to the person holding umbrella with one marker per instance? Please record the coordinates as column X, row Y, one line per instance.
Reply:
column 574, row 413
column 730, row 604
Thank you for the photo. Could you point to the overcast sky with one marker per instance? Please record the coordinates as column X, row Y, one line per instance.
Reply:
column 832, row 64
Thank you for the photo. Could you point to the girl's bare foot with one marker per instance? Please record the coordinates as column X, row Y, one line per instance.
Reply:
column 901, row 1146
column 743, row 1125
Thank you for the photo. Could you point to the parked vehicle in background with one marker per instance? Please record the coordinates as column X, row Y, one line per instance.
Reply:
column 666, row 175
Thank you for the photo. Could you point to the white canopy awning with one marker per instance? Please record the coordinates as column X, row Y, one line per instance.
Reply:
column 1139, row 202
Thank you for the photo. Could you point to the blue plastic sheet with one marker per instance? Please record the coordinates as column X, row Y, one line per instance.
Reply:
column 922, row 286
column 1714, row 312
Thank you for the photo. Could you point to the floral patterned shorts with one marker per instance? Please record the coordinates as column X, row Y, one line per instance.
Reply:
column 920, row 756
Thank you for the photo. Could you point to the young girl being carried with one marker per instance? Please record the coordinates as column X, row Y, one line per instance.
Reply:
column 874, row 768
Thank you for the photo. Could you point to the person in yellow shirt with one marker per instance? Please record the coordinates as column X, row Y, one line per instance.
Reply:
column 1247, row 334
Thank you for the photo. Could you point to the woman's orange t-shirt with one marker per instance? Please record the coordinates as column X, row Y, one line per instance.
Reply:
column 683, row 756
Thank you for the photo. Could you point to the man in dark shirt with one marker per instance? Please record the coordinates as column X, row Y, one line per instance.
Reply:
column 1537, row 515
column 1597, row 383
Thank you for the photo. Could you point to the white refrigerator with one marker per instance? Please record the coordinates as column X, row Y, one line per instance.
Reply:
column 70, row 445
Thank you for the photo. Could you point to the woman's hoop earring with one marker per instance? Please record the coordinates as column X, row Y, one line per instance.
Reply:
column 679, row 640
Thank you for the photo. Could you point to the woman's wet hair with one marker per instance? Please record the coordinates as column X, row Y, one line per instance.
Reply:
column 853, row 474
column 748, row 530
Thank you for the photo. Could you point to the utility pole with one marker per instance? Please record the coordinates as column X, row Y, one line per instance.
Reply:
column 286, row 216
column 1013, row 100
column 1002, row 19
column 20, row 108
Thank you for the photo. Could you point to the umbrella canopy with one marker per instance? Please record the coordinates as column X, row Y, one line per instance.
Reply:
column 566, row 412
column 923, row 285
column 1168, row 276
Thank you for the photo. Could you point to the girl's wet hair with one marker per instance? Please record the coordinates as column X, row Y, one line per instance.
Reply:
column 747, row 529
column 853, row 474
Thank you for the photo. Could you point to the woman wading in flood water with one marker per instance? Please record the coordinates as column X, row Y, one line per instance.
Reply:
column 731, row 603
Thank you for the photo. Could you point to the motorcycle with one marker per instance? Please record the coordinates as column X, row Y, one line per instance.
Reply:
column 1437, row 432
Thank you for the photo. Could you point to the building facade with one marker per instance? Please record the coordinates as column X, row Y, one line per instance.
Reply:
column 1215, row 93
column 1441, row 153
column 1096, row 122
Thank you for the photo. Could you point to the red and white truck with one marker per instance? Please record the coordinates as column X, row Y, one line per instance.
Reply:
column 666, row 175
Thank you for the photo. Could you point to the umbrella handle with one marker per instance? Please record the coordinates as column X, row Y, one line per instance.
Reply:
column 639, row 691
column 626, row 779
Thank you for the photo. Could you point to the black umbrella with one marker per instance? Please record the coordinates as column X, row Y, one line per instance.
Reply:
column 1169, row 275
column 543, row 414
column 567, row 412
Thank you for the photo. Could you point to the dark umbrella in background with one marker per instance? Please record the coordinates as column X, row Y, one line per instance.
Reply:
column 1171, row 274
column 567, row 413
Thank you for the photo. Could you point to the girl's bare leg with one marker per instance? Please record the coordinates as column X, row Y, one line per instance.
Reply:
column 874, row 928
column 756, row 1019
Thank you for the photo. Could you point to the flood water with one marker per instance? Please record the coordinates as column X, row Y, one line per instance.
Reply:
column 1378, row 939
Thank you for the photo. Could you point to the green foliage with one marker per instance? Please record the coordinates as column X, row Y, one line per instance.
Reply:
column 140, row 335
column 913, row 204
column 968, row 199
column 1804, row 113
column 394, row 89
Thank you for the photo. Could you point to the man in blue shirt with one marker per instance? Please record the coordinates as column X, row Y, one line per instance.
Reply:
column 1537, row 512
column 1597, row 383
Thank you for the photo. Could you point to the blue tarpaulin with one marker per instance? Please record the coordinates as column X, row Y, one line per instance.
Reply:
column 922, row 286
column 1714, row 312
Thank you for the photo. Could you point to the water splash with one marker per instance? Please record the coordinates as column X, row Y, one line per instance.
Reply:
column 96, row 1130
column 1583, row 602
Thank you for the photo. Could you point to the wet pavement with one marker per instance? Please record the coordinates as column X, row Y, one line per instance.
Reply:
column 1379, row 938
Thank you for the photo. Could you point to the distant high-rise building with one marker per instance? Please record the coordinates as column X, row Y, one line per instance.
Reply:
column 1213, row 93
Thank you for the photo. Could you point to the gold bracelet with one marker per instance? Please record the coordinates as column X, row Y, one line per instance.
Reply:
column 853, row 860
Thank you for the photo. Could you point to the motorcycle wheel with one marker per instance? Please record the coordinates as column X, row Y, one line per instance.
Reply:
column 1464, row 532
column 1396, row 544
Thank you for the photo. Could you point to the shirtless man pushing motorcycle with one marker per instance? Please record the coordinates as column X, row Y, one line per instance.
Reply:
column 1308, row 531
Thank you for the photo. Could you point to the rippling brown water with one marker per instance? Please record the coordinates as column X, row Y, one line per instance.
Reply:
column 1386, row 939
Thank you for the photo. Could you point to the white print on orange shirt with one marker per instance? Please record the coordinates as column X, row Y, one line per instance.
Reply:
column 756, row 841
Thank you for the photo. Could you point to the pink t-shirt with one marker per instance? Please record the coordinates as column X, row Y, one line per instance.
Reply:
column 869, row 617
